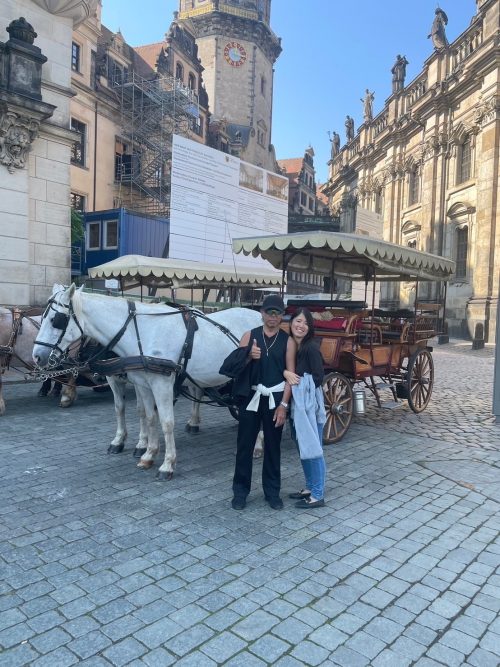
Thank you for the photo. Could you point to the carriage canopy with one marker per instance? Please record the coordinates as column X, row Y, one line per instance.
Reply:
column 136, row 270
column 350, row 255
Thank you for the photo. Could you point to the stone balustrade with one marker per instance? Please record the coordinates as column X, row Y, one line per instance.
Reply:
column 416, row 91
column 468, row 45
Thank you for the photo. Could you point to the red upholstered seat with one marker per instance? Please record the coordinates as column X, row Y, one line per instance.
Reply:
column 335, row 324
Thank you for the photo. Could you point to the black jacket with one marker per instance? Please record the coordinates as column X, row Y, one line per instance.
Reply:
column 244, row 373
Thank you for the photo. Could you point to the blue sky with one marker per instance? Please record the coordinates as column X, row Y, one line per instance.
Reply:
column 332, row 51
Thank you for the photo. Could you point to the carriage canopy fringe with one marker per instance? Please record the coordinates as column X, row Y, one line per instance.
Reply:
column 134, row 270
column 353, row 256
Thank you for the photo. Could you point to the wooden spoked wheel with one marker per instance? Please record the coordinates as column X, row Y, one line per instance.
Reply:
column 420, row 379
column 337, row 391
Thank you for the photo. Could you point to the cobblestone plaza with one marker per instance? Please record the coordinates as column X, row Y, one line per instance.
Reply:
column 102, row 565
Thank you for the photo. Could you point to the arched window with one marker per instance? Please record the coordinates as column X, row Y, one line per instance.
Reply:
column 191, row 81
column 414, row 186
column 179, row 71
column 461, row 247
column 464, row 157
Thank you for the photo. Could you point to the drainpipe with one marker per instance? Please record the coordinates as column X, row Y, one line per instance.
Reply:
column 95, row 154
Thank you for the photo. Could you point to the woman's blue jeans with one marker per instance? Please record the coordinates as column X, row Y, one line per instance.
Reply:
column 315, row 472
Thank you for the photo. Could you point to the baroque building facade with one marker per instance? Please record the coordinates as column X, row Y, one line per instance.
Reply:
column 35, row 145
column 429, row 164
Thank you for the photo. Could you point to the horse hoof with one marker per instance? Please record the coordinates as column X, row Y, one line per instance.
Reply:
column 67, row 404
column 192, row 429
column 163, row 476
column 42, row 393
column 116, row 449
column 145, row 465
column 138, row 452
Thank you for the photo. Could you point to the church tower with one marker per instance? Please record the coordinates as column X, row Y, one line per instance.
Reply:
column 237, row 49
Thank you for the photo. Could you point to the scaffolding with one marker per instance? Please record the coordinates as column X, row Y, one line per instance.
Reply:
column 152, row 110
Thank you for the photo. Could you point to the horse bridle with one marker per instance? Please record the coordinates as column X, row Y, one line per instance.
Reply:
column 60, row 321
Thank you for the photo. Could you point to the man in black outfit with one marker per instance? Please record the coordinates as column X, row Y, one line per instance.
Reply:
column 273, row 351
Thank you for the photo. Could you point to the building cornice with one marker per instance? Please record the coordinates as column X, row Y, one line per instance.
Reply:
column 77, row 10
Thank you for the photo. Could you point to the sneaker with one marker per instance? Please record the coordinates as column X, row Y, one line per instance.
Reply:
column 238, row 503
column 299, row 495
column 275, row 503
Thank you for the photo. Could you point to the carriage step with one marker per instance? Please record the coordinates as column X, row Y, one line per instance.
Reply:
column 384, row 385
column 391, row 405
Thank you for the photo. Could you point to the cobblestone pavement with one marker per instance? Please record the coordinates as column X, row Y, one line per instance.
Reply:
column 102, row 565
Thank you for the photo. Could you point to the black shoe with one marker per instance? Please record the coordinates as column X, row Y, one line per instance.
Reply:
column 238, row 503
column 299, row 495
column 275, row 503
column 309, row 504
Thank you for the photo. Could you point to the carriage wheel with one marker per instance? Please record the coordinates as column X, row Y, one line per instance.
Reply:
column 337, row 391
column 420, row 380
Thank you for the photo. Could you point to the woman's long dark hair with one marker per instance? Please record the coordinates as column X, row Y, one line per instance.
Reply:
column 308, row 338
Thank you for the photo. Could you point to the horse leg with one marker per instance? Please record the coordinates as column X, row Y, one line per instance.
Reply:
column 45, row 388
column 2, row 402
column 151, row 420
column 142, row 444
column 117, row 385
column 193, row 425
column 68, row 394
column 163, row 389
column 56, row 389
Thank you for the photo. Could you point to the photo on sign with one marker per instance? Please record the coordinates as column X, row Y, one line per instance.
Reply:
column 251, row 177
column 277, row 186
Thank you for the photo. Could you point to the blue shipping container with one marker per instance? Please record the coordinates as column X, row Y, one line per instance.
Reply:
column 114, row 233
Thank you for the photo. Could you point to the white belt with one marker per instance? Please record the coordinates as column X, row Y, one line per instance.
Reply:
column 262, row 390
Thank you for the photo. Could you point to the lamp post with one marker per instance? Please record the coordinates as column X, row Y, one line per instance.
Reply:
column 496, row 373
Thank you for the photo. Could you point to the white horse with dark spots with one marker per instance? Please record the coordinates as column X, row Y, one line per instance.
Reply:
column 154, row 334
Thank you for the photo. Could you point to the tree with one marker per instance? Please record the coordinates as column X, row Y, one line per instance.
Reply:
column 77, row 228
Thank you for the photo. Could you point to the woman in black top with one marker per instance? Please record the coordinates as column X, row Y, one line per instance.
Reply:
column 309, row 360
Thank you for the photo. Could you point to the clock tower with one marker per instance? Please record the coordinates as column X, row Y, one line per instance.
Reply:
column 237, row 49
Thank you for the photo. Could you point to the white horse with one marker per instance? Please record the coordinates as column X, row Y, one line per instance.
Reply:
column 156, row 332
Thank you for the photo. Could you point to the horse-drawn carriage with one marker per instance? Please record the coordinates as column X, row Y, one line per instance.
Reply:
column 372, row 348
column 358, row 345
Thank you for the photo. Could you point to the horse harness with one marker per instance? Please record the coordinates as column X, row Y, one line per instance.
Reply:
column 7, row 352
column 101, row 365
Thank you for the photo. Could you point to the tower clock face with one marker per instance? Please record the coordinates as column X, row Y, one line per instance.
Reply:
column 235, row 54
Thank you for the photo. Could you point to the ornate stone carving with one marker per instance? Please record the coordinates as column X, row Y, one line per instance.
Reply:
column 22, row 30
column 17, row 133
column 487, row 110
column 430, row 147
column 78, row 10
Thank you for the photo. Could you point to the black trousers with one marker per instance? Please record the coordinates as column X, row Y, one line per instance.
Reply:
column 248, row 429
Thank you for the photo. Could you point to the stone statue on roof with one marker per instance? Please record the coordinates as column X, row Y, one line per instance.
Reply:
column 398, row 73
column 349, row 128
column 438, row 34
column 368, row 106
column 335, row 145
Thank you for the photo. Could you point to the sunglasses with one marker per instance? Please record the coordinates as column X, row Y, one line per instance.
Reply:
column 273, row 312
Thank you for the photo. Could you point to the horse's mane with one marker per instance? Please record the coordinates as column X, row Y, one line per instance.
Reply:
column 77, row 304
